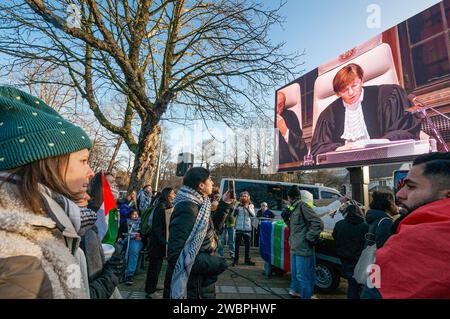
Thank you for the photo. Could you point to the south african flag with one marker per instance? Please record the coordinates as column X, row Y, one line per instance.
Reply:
column 274, row 244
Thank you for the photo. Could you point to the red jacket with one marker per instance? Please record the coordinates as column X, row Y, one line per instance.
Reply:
column 415, row 261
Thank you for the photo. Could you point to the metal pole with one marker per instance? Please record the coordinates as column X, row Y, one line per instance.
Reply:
column 359, row 178
column 159, row 160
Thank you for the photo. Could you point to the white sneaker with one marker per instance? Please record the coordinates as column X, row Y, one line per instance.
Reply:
column 294, row 293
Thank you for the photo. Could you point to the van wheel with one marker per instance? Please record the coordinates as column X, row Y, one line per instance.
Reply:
column 327, row 277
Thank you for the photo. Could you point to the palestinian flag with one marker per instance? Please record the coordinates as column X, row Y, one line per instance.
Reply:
column 274, row 244
column 107, row 215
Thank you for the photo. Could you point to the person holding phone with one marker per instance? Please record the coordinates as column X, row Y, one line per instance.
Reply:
column 243, row 213
column 193, row 268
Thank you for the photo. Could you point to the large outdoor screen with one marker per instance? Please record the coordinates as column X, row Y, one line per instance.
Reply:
column 386, row 100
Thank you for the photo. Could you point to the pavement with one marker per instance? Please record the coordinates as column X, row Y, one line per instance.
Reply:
column 238, row 282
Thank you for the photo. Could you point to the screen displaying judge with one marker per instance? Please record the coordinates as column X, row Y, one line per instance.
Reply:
column 363, row 113
column 292, row 147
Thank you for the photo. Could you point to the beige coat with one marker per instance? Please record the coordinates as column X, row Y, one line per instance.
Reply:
column 37, row 259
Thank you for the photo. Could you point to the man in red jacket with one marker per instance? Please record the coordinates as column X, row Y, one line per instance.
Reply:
column 415, row 261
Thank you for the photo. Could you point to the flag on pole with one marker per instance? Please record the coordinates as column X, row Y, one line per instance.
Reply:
column 107, row 215
column 111, row 214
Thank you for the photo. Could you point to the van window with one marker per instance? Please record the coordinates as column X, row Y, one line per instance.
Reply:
column 329, row 195
column 272, row 194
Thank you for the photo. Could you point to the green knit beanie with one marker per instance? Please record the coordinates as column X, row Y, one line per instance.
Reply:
column 31, row 130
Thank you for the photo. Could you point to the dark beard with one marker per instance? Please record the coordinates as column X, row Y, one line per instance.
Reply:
column 409, row 210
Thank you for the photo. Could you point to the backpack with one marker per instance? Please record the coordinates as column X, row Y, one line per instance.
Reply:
column 367, row 258
column 147, row 219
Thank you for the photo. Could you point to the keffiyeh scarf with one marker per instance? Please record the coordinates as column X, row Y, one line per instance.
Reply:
column 194, row 242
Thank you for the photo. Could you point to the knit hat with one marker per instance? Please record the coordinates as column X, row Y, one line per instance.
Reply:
column 307, row 197
column 31, row 130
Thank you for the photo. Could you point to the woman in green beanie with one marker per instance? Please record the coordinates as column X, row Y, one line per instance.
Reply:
column 44, row 172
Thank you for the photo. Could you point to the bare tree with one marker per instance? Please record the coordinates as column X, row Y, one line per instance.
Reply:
column 263, row 139
column 44, row 81
column 235, row 153
column 112, row 162
column 207, row 57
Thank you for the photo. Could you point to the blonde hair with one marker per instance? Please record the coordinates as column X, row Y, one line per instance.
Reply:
column 50, row 172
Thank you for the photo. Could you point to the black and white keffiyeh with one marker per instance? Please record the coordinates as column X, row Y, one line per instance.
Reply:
column 193, row 243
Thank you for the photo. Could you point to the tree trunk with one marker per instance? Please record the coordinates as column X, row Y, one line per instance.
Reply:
column 144, row 162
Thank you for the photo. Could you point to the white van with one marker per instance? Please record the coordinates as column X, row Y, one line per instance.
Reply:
column 328, row 265
column 275, row 193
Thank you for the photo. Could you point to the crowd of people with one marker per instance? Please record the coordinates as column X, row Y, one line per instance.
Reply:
column 55, row 214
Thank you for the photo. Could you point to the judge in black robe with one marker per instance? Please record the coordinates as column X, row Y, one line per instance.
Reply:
column 295, row 149
column 384, row 113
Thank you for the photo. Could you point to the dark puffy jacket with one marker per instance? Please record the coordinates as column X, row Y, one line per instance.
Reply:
column 382, row 230
column 349, row 236
column 206, row 267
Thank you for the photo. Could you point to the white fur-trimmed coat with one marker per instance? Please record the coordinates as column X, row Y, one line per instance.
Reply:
column 54, row 257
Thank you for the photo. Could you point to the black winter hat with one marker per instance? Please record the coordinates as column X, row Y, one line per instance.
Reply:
column 294, row 192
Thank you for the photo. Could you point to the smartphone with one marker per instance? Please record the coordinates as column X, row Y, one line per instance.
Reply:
column 231, row 190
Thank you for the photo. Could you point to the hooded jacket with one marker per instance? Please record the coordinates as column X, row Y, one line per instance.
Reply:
column 305, row 228
column 349, row 235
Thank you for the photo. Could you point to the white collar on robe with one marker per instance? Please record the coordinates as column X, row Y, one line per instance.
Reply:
column 355, row 128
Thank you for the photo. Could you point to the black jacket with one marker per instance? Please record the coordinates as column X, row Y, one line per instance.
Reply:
column 349, row 236
column 382, row 231
column 206, row 267
column 268, row 214
column 158, row 242
column 296, row 149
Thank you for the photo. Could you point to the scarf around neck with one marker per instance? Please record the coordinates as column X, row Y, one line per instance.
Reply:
column 64, row 215
column 193, row 243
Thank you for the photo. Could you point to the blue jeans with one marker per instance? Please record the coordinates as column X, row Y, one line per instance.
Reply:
column 303, row 275
column 268, row 270
column 133, row 255
column 227, row 232
column 354, row 289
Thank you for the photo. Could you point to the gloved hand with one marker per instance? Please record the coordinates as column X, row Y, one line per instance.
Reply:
column 115, row 264
column 223, row 265
column 209, row 280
